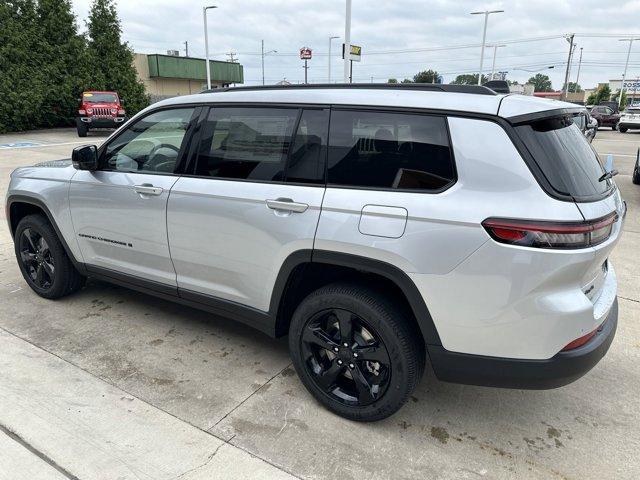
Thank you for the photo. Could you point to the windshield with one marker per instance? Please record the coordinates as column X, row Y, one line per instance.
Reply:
column 565, row 157
column 100, row 97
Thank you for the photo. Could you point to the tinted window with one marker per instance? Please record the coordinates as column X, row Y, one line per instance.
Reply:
column 389, row 150
column 151, row 145
column 246, row 143
column 307, row 161
column 565, row 157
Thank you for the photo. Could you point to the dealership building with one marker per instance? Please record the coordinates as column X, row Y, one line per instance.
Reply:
column 167, row 76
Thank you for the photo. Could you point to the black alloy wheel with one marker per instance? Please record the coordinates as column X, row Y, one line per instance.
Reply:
column 357, row 349
column 345, row 357
column 37, row 259
column 42, row 258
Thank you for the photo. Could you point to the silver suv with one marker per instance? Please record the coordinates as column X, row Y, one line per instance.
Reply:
column 377, row 226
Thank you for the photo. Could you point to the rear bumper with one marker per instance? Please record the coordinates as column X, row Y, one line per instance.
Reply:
column 562, row 369
column 629, row 125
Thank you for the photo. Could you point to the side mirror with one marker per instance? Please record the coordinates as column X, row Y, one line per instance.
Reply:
column 85, row 157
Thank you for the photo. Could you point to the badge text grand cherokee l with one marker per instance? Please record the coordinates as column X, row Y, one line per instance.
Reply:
column 382, row 228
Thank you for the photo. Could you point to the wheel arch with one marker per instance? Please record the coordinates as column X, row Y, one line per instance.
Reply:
column 306, row 270
column 19, row 206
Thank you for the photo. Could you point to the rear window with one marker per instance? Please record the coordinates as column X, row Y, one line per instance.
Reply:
column 568, row 162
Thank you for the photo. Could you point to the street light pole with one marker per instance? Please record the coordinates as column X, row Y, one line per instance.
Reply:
column 263, row 54
column 206, row 43
column 347, row 42
column 493, row 65
column 626, row 65
column 486, row 14
column 329, row 66
column 578, row 76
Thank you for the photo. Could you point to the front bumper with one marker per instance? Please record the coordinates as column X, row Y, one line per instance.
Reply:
column 561, row 369
column 101, row 122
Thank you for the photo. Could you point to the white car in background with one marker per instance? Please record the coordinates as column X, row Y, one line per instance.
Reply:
column 630, row 119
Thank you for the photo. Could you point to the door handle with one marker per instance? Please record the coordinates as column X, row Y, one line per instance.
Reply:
column 148, row 189
column 287, row 205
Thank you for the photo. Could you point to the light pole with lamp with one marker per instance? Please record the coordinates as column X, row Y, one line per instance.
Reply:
column 626, row 65
column 495, row 53
column 206, row 43
column 263, row 53
column 329, row 66
column 486, row 14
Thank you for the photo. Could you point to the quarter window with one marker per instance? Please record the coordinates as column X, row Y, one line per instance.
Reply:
column 389, row 150
column 151, row 145
column 246, row 143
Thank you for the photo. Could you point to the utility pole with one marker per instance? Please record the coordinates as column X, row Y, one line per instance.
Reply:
column 231, row 57
column 329, row 65
column 566, row 75
column 262, row 55
column 626, row 65
column 206, row 43
column 347, row 42
column 486, row 14
column 186, row 48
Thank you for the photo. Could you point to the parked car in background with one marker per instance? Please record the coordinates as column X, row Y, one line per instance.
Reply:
column 99, row 110
column 605, row 116
column 630, row 119
column 340, row 216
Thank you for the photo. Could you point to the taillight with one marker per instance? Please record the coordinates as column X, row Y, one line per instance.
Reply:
column 543, row 234
column 578, row 342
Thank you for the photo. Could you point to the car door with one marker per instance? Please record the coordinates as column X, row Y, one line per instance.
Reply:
column 252, row 198
column 119, row 211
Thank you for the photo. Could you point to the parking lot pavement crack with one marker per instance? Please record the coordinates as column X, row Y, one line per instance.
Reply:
column 42, row 456
column 247, row 398
column 629, row 299
column 209, row 458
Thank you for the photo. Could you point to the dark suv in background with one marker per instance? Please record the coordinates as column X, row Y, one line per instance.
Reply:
column 606, row 116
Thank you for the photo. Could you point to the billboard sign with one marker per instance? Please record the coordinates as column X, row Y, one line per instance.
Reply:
column 355, row 54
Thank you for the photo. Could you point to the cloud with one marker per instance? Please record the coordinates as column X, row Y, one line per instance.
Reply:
column 153, row 26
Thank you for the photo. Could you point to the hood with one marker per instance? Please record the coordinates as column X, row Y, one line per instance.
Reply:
column 60, row 170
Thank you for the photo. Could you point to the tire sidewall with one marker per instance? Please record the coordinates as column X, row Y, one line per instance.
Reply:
column 374, row 315
column 42, row 227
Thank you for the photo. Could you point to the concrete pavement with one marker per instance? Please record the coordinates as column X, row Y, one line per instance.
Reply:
column 109, row 383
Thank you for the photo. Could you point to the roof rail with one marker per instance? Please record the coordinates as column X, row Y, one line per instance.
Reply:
column 431, row 87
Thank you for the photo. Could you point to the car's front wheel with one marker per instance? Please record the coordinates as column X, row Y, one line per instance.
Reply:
column 42, row 259
column 636, row 173
column 623, row 129
column 356, row 351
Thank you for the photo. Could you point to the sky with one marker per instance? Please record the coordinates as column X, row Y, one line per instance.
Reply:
column 398, row 38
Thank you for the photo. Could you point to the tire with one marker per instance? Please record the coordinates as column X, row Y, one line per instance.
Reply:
column 613, row 127
column 82, row 130
column 623, row 129
column 384, row 350
column 43, row 261
column 635, row 178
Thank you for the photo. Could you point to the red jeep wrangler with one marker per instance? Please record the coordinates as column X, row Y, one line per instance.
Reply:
column 99, row 110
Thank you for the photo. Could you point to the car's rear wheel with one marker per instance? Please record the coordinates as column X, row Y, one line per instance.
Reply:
column 358, row 353
column 42, row 259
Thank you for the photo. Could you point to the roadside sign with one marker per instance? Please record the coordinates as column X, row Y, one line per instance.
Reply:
column 355, row 54
column 305, row 53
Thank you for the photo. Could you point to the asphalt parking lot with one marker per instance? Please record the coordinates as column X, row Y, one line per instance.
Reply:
column 113, row 384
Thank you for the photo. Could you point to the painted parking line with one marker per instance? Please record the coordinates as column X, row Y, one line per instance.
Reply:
column 17, row 145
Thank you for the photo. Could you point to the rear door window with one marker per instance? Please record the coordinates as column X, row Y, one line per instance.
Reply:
column 389, row 150
column 567, row 160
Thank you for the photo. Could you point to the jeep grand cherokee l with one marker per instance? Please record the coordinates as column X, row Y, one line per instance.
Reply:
column 383, row 228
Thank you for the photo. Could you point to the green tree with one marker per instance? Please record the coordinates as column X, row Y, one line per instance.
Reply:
column 407, row 80
column 392, row 80
column 575, row 87
column 541, row 83
column 623, row 104
column 111, row 59
column 21, row 59
column 65, row 64
column 469, row 79
column 427, row 76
